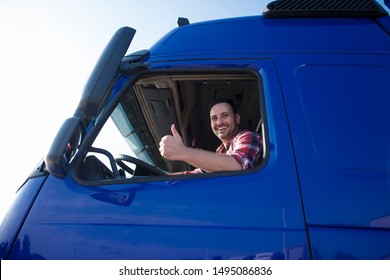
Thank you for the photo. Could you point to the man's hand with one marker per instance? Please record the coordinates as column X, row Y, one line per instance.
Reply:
column 171, row 146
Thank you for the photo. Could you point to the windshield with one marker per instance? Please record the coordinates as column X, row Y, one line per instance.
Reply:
column 129, row 122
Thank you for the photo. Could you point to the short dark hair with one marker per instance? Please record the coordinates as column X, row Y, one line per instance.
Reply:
column 224, row 100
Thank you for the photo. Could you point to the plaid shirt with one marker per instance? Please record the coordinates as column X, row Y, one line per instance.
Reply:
column 246, row 147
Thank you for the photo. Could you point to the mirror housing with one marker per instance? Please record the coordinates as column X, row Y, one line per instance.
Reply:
column 97, row 88
column 64, row 146
column 95, row 94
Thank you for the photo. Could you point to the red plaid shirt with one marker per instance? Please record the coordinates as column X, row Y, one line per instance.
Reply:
column 246, row 147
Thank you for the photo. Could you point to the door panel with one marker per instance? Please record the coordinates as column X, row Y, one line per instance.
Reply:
column 247, row 215
column 337, row 110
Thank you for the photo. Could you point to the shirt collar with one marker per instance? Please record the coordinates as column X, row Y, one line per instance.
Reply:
column 223, row 148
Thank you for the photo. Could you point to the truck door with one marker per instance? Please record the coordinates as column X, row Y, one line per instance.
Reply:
column 98, row 211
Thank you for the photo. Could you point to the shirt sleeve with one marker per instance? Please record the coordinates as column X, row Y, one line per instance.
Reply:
column 247, row 149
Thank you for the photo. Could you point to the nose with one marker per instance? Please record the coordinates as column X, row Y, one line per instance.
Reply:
column 219, row 122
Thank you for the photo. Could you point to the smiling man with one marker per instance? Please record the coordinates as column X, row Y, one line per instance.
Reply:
column 239, row 150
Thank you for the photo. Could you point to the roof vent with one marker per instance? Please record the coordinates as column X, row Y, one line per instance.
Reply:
column 181, row 21
column 325, row 8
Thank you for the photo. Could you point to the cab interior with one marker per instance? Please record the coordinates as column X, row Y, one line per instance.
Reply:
column 153, row 103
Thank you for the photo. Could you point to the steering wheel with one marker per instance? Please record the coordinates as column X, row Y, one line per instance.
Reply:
column 142, row 168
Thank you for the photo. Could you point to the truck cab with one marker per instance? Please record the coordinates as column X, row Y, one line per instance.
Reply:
column 312, row 81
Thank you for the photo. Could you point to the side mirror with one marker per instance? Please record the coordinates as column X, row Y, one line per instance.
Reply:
column 97, row 89
column 64, row 146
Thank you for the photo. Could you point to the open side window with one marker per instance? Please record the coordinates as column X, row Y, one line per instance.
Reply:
column 148, row 108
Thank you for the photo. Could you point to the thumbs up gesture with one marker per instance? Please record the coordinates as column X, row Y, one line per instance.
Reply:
column 171, row 146
column 175, row 133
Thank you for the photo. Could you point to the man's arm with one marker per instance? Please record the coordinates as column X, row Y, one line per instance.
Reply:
column 210, row 161
column 172, row 148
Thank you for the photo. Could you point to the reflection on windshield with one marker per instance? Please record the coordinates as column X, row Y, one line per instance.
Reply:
column 129, row 134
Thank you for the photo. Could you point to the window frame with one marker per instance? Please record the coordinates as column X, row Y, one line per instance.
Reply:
column 103, row 119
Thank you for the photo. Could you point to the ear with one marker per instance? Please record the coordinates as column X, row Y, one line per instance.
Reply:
column 238, row 118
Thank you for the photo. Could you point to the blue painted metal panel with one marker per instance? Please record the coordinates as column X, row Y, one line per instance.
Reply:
column 254, row 215
column 17, row 213
column 262, row 35
column 337, row 107
column 350, row 244
column 188, row 219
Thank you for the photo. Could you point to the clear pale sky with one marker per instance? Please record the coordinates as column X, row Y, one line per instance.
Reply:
column 49, row 48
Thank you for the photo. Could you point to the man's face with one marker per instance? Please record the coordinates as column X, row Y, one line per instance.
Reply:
column 224, row 122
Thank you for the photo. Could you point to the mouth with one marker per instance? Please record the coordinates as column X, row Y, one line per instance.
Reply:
column 221, row 129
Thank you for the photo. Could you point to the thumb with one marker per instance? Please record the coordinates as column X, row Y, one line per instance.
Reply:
column 174, row 131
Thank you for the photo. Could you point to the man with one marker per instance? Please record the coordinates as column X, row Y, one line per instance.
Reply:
column 239, row 149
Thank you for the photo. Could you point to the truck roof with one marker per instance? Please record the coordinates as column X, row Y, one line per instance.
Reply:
column 259, row 34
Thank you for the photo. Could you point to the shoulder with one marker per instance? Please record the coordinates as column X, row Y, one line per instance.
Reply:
column 247, row 134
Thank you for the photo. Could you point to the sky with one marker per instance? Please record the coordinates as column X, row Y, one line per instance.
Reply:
column 48, row 50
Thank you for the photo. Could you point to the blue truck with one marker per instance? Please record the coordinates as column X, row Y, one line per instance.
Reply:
column 312, row 77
